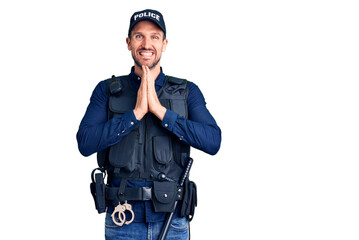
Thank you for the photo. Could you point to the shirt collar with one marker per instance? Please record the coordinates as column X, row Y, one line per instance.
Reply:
column 136, row 80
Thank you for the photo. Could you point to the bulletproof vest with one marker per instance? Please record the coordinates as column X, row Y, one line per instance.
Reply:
column 149, row 149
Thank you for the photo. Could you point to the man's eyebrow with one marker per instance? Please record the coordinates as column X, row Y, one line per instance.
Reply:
column 153, row 33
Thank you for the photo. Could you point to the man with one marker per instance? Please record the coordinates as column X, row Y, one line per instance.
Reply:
column 142, row 126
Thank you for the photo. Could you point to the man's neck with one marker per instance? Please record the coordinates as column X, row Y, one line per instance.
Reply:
column 155, row 71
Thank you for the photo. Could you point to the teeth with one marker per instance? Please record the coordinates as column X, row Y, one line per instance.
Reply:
column 145, row 54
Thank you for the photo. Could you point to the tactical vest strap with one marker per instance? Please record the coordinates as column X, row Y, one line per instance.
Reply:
column 121, row 190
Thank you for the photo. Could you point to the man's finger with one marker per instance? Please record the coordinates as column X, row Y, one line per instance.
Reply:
column 144, row 74
column 150, row 79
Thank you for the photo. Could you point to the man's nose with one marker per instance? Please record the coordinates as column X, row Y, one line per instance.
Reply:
column 147, row 43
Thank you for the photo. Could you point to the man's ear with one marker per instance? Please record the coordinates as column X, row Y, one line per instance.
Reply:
column 128, row 41
column 165, row 42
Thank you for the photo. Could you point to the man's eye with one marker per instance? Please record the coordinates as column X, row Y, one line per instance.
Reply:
column 138, row 36
column 155, row 37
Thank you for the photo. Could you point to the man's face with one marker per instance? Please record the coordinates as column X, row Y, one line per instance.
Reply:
column 146, row 44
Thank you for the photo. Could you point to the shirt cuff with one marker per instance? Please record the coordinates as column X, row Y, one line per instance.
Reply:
column 169, row 120
column 128, row 122
column 132, row 117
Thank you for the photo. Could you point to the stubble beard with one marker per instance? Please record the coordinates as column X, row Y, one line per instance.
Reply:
column 137, row 62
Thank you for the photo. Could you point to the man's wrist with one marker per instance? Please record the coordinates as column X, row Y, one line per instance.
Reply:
column 138, row 114
column 160, row 112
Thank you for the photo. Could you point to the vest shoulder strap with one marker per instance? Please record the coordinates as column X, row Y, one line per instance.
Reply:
column 175, row 80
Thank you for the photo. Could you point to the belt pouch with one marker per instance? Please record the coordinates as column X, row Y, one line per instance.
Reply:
column 189, row 200
column 164, row 196
column 98, row 191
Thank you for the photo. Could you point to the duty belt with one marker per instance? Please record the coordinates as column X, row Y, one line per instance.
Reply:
column 135, row 194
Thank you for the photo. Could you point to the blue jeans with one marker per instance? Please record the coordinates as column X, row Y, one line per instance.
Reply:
column 145, row 231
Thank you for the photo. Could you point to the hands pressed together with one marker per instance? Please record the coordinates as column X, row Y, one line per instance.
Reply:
column 147, row 100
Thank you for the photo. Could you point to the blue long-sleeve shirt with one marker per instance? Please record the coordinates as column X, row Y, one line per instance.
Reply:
column 96, row 133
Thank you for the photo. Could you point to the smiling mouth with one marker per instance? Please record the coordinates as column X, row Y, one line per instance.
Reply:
column 146, row 54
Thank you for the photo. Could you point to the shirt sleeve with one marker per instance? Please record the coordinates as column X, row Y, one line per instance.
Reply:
column 200, row 130
column 96, row 132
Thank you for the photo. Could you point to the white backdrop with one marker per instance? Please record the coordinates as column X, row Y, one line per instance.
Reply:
column 280, row 78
